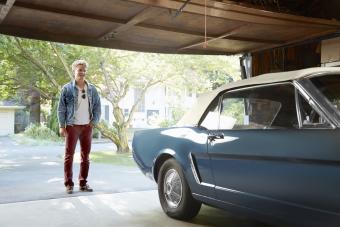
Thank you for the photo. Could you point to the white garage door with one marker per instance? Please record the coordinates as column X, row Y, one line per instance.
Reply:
column 6, row 122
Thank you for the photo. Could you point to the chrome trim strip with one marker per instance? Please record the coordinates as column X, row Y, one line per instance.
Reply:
column 229, row 190
column 207, row 185
column 194, row 172
column 193, row 169
column 297, row 106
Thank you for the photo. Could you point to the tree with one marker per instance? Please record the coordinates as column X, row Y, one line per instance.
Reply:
column 197, row 75
column 205, row 72
column 31, row 66
column 43, row 67
column 121, row 71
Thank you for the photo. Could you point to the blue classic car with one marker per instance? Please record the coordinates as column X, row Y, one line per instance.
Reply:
column 267, row 146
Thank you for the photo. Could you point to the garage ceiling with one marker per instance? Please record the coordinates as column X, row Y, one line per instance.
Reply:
column 159, row 26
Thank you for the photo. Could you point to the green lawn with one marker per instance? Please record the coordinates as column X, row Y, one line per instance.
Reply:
column 107, row 157
column 110, row 157
column 21, row 138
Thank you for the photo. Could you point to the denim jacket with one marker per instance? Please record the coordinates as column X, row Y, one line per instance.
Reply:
column 68, row 101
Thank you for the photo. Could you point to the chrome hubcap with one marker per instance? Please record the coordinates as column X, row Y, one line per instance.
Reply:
column 172, row 188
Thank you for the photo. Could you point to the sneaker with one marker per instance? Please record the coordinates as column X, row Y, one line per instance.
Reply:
column 69, row 189
column 85, row 188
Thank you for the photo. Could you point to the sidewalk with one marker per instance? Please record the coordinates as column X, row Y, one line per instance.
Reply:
column 101, row 140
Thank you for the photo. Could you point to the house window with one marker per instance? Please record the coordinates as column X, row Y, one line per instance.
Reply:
column 126, row 112
column 151, row 115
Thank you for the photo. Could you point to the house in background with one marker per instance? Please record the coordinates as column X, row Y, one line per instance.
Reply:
column 156, row 105
column 7, row 117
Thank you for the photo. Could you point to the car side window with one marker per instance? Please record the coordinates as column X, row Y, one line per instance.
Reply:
column 262, row 107
column 212, row 115
column 309, row 117
column 245, row 113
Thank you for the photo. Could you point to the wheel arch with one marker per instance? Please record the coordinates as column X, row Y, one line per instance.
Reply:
column 161, row 158
column 159, row 162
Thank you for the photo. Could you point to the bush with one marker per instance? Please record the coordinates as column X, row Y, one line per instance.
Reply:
column 52, row 119
column 95, row 133
column 40, row 132
column 177, row 113
column 166, row 123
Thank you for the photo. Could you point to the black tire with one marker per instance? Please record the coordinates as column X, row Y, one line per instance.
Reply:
column 187, row 207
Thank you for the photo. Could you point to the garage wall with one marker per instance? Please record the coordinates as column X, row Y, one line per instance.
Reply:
column 6, row 122
column 286, row 58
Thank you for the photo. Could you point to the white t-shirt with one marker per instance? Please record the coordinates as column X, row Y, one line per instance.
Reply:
column 82, row 114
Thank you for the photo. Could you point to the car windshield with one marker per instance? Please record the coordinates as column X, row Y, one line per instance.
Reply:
column 329, row 86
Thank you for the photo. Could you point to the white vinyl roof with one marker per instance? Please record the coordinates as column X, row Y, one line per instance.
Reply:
column 193, row 116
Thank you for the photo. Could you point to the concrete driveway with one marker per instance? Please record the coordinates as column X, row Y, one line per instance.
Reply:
column 36, row 173
column 107, row 210
column 32, row 193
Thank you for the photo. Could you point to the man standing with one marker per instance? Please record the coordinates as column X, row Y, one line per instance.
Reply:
column 78, row 112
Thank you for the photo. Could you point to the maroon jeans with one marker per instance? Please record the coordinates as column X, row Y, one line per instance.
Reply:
column 84, row 134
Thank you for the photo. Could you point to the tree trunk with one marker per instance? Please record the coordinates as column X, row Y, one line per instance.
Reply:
column 34, row 106
column 123, row 145
column 118, row 132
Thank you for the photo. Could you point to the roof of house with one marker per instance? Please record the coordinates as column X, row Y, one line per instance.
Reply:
column 6, row 104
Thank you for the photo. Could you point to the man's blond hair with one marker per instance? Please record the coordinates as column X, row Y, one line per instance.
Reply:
column 79, row 62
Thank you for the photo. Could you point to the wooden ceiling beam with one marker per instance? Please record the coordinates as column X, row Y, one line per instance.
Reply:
column 219, row 10
column 146, row 13
column 141, row 25
column 4, row 9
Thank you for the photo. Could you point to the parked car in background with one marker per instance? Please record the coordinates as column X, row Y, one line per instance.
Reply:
column 268, row 147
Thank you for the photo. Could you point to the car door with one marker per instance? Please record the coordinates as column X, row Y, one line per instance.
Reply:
column 264, row 162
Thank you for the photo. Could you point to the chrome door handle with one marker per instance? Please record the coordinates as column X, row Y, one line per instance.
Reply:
column 215, row 136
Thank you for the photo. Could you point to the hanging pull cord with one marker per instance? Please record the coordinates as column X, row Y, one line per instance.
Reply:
column 205, row 44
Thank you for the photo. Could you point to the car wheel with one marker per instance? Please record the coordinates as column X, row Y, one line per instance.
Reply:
column 174, row 193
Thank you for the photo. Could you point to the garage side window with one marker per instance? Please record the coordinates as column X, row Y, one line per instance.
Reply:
column 259, row 108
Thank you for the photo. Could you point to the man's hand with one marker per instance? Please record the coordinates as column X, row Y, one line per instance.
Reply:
column 62, row 132
column 91, row 125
